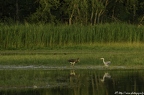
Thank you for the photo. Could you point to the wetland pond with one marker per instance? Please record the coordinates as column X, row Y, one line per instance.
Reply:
column 45, row 81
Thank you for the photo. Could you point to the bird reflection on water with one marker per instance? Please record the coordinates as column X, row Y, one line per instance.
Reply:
column 105, row 76
column 72, row 73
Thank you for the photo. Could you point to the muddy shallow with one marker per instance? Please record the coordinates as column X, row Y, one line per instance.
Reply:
column 61, row 67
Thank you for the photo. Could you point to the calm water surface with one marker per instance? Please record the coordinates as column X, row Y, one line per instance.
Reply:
column 71, row 82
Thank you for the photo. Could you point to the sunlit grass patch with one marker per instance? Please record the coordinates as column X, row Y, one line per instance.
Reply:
column 118, row 54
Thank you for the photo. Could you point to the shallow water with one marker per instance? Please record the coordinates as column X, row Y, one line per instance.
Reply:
column 33, row 81
column 20, row 67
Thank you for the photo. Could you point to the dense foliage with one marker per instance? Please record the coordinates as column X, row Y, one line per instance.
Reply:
column 72, row 11
column 44, row 35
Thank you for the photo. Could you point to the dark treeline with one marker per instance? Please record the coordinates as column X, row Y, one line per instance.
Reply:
column 72, row 11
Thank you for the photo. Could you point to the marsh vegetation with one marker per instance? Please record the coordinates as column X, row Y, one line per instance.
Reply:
column 39, row 36
column 33, row 59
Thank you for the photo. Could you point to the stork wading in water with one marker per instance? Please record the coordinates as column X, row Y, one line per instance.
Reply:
column 73, row 61
column 105, row 63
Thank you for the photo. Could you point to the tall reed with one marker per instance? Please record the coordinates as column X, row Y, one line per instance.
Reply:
column 46, row 35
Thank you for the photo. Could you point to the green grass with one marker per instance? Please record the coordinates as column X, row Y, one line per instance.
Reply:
column 32, row 36
column 119, row 55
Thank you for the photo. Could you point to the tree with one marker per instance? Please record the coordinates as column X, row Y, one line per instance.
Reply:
column 97, row 10
column 44, row 11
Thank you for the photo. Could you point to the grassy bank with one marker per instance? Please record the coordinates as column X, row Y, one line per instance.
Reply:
column 30, row 36
column 118, row 54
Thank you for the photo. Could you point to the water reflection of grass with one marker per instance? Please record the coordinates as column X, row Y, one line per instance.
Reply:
column 118, row 54
column 30, row 78
column 84, row 82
